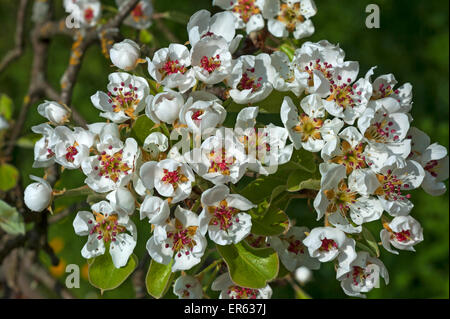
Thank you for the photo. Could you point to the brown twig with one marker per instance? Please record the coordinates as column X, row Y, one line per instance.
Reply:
column 19, row 40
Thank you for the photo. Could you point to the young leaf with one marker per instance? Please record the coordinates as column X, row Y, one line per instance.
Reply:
column 10, row 219
column 301, row 179
column 105, row 276
column 142, row 128
column 250, row 267
column 268, row 220
column 6, row 106
column 8, row 176
column 371, row 241
column 158, row 278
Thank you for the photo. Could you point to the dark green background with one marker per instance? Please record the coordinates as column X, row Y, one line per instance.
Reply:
column 412, row 43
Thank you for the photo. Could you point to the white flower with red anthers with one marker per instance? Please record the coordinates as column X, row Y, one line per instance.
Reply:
column 385, row 134
column 169, row 177
column 125, row 98
column 201, row 25
column 44, row 150
column 125, row 55
column 305, row 129
column 327, row 243
column 394, row 181
column 85, row 12
column 220, row 158
column 56, row 113
column 350, row 151
column 403, row 232
column 164, row 106
column 71, row 148
column 202, row 111
column 103, row 226
column 394, row 100
column 187, row 287
column 154, row 145
column 248, row 13
column 265, row 147
column 178, row 239
column 155, row 209
column 292, row 251
column 363, row 276
column 290, row 16
column 338, row 200
column 347, row 99
column 314, row 64
column 171, row 67
column 114, row 164
column 223, row 215
column 141, row 16
column 284, row 77
column 38, row 196
column 434, row 160
column 211, row 60
column 229, row 290
column 251, row 78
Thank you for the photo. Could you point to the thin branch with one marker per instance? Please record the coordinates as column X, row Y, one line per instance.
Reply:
column 19, row 40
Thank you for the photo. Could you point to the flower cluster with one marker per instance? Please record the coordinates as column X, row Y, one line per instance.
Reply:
column 369, row 156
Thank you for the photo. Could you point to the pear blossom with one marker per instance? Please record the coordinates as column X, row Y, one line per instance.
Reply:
column 284, row 74
column 314, row 64
column 290, row 16
column 44, row 148
column 122, row 201
column 223, row 215
column 125, row 54
column 211, row 60
column 303, row 275
column 85, row 12
column 434, row 160
column 164, row 106
column 327, row 243
column 155, row 144
column 202, row 25
column 403, row 232
column 71, row 148
column 337, row 196
column 229, row 290
column 38, row 196
column 202, row 111
column 265, row 147
column 187, row 287
column 155, row 209
column 169, row 177
column 114, row 164
column 141, row 16
column 292, row 251
column 250, row 78
column 364, row 275
column 125, row 98
column 105, row 225
column 220, row 158
column 178, row 239
column 171, row 67
column 248, row 13
column 54, row 112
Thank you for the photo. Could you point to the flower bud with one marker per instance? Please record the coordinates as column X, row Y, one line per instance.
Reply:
column 164, row 107
column 303, row 275
column 54, row 112
column 3, row 123
column 38, row 196
column 125, row 54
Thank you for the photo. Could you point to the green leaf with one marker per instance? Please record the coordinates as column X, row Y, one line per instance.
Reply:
column 28, row 141
column 105, row 276
column 268, row 220
column 300, row 159
column 250, row 267
column 371, row 241
column 283, row 272
column 288, row 49
column 6, row 107
column 158, row 279
column 10, row 220
column 262, row 188
column 9, row 176
column 301, row 179
column 145, row 36
column 142, row 127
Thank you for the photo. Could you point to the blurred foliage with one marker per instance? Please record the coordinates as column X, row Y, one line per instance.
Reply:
column 412, row 43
